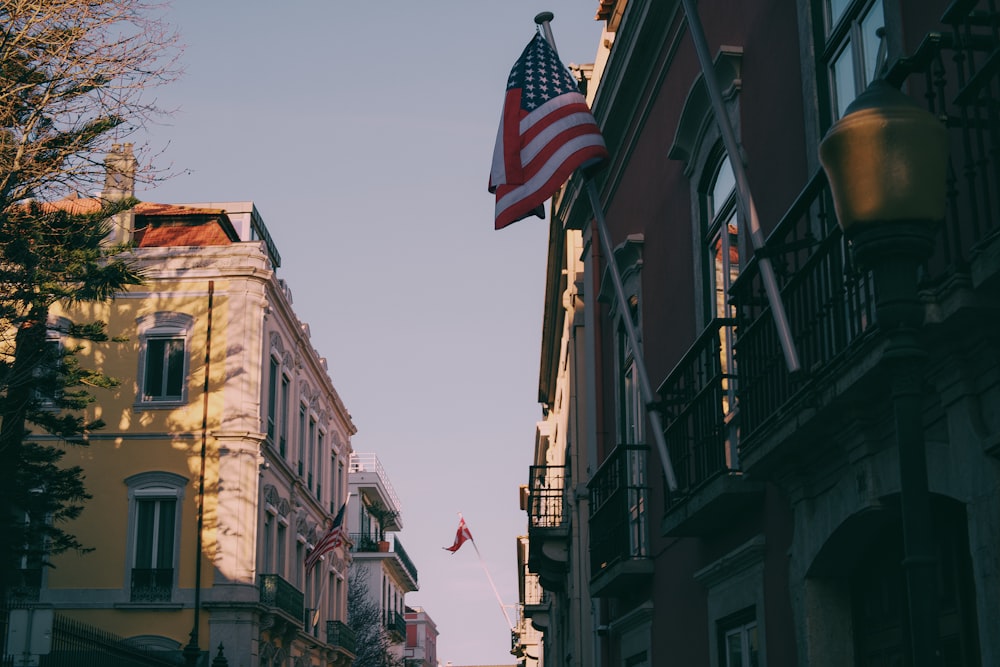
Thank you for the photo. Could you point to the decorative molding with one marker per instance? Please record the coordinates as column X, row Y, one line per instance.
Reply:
column 732, row 564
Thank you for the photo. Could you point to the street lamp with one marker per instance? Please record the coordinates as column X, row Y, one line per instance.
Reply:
column 885, row 161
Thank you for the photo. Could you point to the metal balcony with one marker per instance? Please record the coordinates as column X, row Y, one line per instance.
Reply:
column 829, row 302
column 395, row 555
column 619, row 542
column 276, row 594
column 151, row 585
column 395, row 623
column 340, row 635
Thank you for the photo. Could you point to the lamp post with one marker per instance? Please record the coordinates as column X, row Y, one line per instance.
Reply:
column 885, row 161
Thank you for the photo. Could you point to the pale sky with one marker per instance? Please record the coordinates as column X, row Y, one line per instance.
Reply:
column 363, row 131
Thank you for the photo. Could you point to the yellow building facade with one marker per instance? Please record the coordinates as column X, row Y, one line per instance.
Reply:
column 223, row 460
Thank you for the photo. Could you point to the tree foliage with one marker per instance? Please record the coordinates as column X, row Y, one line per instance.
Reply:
column 48, row 256
column 75, row 76
column 373, row 647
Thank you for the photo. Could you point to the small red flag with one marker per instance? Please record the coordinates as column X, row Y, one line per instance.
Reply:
column 461, row 536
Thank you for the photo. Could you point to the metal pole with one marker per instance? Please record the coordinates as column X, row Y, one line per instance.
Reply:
column 745, row 199
column 652, row 409
column 192, row 652
column 645, row 388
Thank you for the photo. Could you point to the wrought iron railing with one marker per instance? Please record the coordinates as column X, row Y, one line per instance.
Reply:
column 152, row 585
column 341, row 635
column 618, row 508
column 76, row 644
column 276, row 593
column 830, row 304
column 395, row 623
column 546, row 503
column 404, row 558
column 697, row 399
column 366, row 543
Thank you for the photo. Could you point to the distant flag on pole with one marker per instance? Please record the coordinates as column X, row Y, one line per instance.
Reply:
column 461, row 536
column 330, row 541
column 546, row 132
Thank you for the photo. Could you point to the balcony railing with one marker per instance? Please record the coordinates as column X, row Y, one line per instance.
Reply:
column 152, row 585
column 545, row 496
column 395, row 623
column 276, row 593
column 341, row 635
column 533, row 591
column 618, row 506
column 696, row 399
column 404, row 558
column 365, row 543
column 368, row 462
column 830, row 304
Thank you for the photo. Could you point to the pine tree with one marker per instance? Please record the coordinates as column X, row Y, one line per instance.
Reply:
column 48, row 256
column 74, row 77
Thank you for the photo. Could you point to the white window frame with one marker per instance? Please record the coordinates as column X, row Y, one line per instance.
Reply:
column 153, row 485
column 163, row 326
column 852, row 28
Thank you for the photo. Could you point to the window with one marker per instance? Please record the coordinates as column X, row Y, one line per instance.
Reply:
column 851, row 52
column 302, row 438
column 46, row 374
column 154, row 502
column 282, row 548
column 283, row 423
column 319, row 469
column 272, row 399
column 723, row 239
column 163, row 365
column 311, row 452
column 740, row 645
column 630, row 400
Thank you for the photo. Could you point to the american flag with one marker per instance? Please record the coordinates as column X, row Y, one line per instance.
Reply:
column 330, row 541
column 546, row 132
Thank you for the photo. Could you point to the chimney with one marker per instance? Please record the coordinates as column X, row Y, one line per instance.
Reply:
column 119, row 183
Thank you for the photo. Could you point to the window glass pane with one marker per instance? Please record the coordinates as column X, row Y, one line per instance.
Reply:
column 753, row 653
column 734, row 649
column 272, row 397
column 835, row 10
column 165, row 532
column 154, row 366
column 870, row 23
column 718, row 279
column 175, row 368
column 145, row 517
column 725, row 184
column 842, row 81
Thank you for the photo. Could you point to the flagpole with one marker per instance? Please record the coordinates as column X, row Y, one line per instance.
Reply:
column 326, row 579
column 645, row 388
column 745, row 199
column 490, row 578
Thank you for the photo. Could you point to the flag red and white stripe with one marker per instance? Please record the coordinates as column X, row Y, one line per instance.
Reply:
column 332, row 539
column 461, row 536
column 546, row 132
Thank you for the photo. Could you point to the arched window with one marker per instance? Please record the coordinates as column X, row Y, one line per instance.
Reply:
column 724, row 242
column 163, row 358
column 154, row 500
